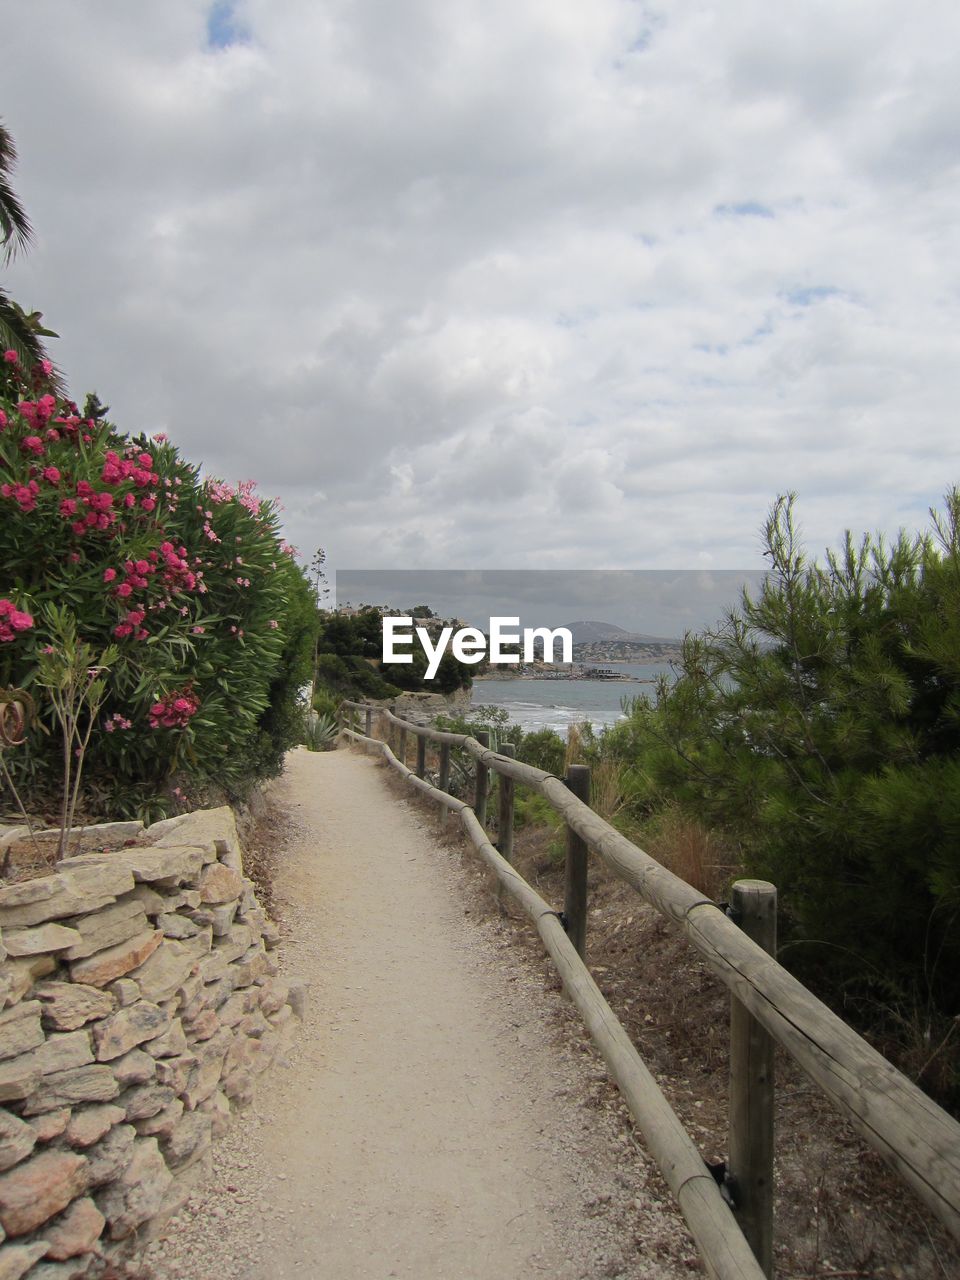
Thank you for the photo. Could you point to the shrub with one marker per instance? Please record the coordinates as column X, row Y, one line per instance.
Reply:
column 357, row 640
column 325, row 703
column 350, row 677
column 187, row 576
column 544, row 749
column 819, row 725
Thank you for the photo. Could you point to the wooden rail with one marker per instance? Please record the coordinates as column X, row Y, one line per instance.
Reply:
column 915, row 1136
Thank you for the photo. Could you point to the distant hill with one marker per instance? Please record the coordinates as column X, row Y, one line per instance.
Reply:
column 609, row 633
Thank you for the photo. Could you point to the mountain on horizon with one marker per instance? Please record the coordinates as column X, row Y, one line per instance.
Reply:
column 594, row 632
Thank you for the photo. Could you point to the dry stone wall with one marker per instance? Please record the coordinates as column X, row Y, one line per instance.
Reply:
column 140, row 1002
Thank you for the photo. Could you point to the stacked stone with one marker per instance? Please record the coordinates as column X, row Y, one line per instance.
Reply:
column 139, row 1005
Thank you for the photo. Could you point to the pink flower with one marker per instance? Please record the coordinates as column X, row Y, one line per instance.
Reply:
column 109, row 575
column 124, row 590
column 25, row 495
column 10, row 357
column 51, row 475
column 47, row 367
column 3, row 419
column 12, row 620
column 68, row 507
column 32, row 444
column 175, row 710
column 148, row 504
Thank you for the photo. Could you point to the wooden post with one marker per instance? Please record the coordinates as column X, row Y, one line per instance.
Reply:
column 482, row 781
column 421, row 755
column 402, row 745
column 369, row 725
column 575, row 889
column 505, row 817
column 753, row 906
column 443, row 782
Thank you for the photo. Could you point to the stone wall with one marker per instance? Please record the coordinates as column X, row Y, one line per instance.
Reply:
column 140, row 1002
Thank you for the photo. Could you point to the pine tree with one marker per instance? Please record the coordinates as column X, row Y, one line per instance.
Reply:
column 819, row 724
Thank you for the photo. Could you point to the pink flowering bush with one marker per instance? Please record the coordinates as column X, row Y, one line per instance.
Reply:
column 187, row 576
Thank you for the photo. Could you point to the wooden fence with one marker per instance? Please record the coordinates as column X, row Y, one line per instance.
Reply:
column 915, row 1136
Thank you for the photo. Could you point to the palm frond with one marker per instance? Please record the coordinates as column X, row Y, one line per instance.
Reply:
column 15, row 230
column 23, row 332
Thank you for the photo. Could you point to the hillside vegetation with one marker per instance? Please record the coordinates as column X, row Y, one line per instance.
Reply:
column 815, row 733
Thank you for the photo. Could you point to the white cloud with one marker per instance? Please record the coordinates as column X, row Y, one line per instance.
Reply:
column 537, row 283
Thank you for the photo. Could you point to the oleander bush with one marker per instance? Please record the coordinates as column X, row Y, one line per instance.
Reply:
column 187, row 576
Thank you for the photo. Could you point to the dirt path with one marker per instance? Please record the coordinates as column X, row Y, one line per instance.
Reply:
column 433, row 1124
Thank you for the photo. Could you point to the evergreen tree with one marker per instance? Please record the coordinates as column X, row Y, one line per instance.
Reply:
column 820, row 725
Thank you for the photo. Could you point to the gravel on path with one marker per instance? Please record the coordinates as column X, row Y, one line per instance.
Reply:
column 438, row 1119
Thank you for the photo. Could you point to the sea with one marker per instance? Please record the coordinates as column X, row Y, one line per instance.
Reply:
column 557, row 704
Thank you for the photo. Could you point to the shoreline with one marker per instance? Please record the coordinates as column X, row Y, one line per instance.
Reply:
column 566, row 677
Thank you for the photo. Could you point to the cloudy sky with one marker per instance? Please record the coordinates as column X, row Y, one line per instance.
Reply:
column 516, row 284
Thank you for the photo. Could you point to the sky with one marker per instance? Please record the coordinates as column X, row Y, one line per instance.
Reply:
column 526, row 284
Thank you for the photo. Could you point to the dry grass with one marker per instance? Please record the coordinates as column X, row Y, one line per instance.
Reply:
column 574, row 752
column 685, row 847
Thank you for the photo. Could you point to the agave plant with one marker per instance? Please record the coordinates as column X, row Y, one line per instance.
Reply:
column 321, row 733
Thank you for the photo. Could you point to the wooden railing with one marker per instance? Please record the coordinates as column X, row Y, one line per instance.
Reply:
column 915, row 1136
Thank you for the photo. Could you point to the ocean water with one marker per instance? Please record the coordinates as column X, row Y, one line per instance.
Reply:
column 556, row 704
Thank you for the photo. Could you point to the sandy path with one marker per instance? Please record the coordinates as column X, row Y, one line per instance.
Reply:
column 430, row 1127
